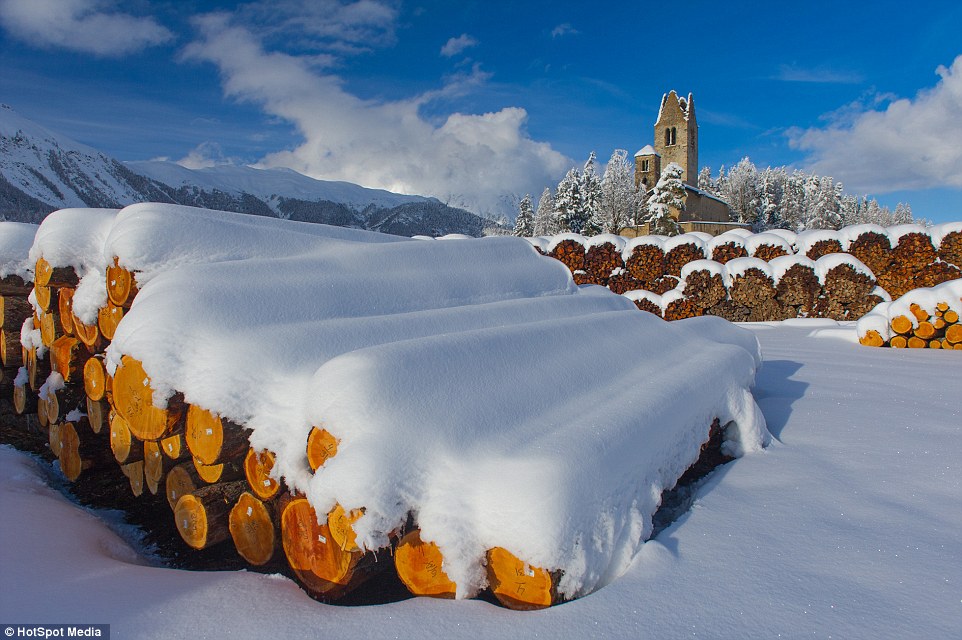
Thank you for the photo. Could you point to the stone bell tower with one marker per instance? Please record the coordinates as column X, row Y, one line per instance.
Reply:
column 676, row 136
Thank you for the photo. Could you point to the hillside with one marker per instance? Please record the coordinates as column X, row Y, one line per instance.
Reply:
column 42, row 171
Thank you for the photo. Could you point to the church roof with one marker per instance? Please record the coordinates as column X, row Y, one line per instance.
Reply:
column 647, row 150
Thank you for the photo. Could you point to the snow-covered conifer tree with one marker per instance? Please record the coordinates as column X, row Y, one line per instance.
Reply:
column 618, row 195
column 544, row 222
column 668, row 193
column 568, row 203
column 524, row 223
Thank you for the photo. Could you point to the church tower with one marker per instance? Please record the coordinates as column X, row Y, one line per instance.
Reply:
column 676, row 136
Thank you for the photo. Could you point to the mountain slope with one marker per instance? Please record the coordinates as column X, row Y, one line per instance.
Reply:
column 41, row 171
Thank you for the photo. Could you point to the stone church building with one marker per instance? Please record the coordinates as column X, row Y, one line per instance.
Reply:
column 676, row 140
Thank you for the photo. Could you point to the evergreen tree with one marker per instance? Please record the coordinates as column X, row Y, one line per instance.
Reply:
column 618, row 195
column 668, row 194
column 568, row 203
column 589, row 189
column 544, row 220
column 524, row 223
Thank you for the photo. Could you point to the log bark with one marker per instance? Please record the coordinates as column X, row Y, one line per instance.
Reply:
column 81, row 451
column 420, row 566
column 202, row 517
column 210, row 439
column 14, row 285
column 252, row 528
column 37, row 369
column 517, row 585
column 257, row 469
column 10, row 348
column 14, row 310
column 47, row 275
column 134, row 400
column 65, row 400
column 321, row 446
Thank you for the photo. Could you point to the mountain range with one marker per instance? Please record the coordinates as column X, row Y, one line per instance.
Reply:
column 42, row 171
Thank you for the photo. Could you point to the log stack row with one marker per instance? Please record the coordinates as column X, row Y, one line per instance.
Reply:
column 920, row 319
column 836, row 286
column 899, row 258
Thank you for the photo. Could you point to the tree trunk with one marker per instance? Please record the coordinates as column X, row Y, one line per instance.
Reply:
column 14, row 285
column 210, row 440
column 14, row 310
column 202, row 517
column 11, row 351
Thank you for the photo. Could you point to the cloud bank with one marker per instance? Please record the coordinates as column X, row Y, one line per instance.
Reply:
column 470, row 160
column 454, row 46
column 80, row 25
column 911, row 144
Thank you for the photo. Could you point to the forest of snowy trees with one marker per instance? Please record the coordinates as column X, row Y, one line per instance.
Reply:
column 587, row 203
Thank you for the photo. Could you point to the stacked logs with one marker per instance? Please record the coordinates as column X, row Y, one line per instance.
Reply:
column 921, row 319
column 14, row 310
column 896, row 260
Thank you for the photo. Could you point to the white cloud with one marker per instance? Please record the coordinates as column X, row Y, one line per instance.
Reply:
column 331, row 25
column 454, row 46
column 204, row 156
column 563, row 30
column 472, row 159
column 911, row 144
column 80, row 25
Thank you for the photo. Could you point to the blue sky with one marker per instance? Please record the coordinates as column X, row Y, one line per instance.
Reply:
column 467, row 101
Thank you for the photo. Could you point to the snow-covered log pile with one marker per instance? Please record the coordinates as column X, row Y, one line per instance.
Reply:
column 897, row 259
column 16, row 282
column 332, row 399
column 922, row 318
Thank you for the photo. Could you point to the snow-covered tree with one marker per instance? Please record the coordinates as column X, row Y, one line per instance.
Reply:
column 544, row 218
column 668, row 194
column 590, row 190
column 524, row 223
column 618, row 195
column 568, row 203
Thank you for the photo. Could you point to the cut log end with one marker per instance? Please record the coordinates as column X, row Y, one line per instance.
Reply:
column 341, row 524
column 321, row 446
column 318, row 562
column 872, row 338
column 420, row 566
column 134, row 400
column 257, row 468
column 516, row 584
column 202, row 517
column 252, row 529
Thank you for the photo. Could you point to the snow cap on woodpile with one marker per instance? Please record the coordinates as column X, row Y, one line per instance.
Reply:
column 729, row 237
column 739, row 266
column 16, row 238
column 780, row 265
column 618, row 242
column 694, row 239
column 418, row 357
column 895, row 233
column 848, row 235
column 711, row 266
column 828, row 262
column 786, row 234
column 643, row 294
column 807, row 239
column 939, row 231
column 561, row 237
column 773, row 239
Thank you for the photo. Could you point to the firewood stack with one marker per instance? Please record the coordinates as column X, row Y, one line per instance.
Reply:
column 920, row 319
column 603, row 258
column 14, row 310
column 917, row 258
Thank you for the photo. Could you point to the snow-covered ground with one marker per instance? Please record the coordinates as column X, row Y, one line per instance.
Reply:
column 849, row 526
